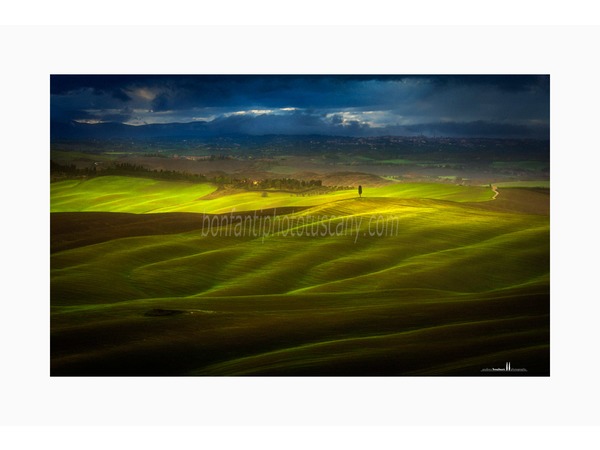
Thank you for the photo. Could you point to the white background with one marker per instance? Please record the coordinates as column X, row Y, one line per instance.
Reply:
column 546, row 406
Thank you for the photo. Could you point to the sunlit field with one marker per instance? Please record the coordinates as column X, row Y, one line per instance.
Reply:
column 174, row 278
column 141, row 195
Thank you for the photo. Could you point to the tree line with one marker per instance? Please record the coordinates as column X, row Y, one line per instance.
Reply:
column 66, row 171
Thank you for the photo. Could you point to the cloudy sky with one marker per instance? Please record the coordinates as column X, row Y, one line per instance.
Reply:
column 467, row 105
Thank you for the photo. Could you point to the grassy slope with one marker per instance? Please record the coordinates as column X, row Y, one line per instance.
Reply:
column 453, row 289
column 123, row 194
column 140, row 195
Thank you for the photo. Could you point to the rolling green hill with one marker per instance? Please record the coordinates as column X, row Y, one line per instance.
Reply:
column 141, row 195
column 123, row 194
column 409, row 280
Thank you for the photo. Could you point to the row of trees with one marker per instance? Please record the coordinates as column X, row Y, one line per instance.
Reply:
column 277, row 183
column 60, row 171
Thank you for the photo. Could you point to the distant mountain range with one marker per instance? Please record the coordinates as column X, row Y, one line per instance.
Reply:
column 114, row 130
column 201, row 138
column 236, row 126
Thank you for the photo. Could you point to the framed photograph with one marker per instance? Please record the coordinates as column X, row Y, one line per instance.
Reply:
column 300, row 225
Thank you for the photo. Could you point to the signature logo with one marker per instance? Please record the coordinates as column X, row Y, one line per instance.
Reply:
column 506, row 368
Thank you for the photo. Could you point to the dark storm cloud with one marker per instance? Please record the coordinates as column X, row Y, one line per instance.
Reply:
column 65, row 84
column 510, row 83
column 229, row 90
column 160, row 103
column 100, row 84
column 476, row 105
column 119, row 94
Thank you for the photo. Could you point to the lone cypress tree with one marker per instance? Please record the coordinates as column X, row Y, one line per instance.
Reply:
column 360, row 191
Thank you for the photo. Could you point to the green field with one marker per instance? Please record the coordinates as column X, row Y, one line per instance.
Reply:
column 411, row 279
column 142, row 195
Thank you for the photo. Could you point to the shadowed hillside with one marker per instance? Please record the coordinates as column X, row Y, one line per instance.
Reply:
column 411, row 280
